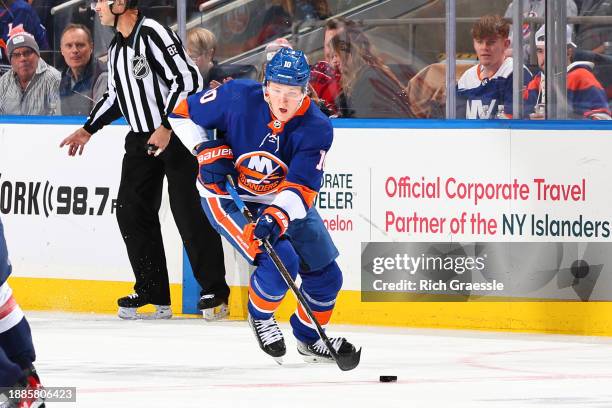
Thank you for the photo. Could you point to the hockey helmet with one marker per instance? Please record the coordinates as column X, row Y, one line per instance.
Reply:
column 288, row 67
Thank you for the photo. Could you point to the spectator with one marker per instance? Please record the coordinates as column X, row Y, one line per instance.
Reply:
column 586, row 97
column 18, row 14
column 534, row 8
column 369, row 87
column 201, row 48
column 595, row 36
column 426, row 90
column 487, row 86
column 334, row 27
column 84, row 80
column 31, row 87
column 324, row 77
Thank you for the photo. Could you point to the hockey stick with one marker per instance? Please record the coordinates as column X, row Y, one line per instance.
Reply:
column 345, row 362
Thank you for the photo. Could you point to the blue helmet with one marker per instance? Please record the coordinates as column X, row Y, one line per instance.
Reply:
column 288, row 67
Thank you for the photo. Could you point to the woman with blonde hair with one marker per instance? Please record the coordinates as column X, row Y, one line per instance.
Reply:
column 369, row 88
column 201, row 47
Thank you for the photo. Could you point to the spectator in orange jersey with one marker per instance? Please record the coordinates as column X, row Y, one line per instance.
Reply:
column 585, row 96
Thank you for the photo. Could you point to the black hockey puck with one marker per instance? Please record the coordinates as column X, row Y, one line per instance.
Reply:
column 388, row 378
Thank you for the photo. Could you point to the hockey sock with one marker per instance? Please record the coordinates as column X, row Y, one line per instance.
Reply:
column 320, row 289
column 267, row 287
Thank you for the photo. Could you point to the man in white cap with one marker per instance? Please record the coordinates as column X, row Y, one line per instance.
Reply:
column 586, row 98
column 31, row 87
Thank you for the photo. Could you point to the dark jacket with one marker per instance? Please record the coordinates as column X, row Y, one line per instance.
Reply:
column 80, row 98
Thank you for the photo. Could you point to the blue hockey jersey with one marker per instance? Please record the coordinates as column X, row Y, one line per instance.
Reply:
column 479, row 98
column 278, row 163
column 5, row 264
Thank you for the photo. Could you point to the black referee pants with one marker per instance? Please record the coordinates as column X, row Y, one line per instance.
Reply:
column 138, row 204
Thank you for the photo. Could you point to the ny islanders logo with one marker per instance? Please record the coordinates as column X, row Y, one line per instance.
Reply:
column 260, row 172
column 140, row 66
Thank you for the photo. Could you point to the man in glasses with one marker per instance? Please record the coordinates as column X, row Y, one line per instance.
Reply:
column 31, row 87
column 275, row 145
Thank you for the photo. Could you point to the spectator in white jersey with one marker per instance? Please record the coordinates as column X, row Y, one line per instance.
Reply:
column 31, row 87
column 485, row 90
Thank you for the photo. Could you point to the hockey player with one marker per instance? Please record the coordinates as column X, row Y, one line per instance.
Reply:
column 275, row 145
column 16, row 348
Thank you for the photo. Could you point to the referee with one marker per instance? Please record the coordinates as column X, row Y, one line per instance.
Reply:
column 149, row 73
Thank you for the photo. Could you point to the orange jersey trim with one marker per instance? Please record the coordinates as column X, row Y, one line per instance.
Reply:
column 182, row 109
column 308, row 195
column 232, row 229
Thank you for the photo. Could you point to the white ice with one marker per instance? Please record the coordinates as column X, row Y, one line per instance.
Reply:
column 190, row 363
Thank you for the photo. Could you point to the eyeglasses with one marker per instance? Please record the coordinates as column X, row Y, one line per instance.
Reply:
column 26, row 54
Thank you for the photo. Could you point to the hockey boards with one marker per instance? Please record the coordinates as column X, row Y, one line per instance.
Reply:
column 344, row 361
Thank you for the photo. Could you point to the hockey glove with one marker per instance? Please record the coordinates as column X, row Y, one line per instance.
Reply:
column 271, row 224
column 215, row 159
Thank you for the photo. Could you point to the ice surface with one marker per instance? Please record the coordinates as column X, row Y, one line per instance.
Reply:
column 187, row 362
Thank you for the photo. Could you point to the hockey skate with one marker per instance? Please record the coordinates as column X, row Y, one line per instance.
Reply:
column 213, row 307
column 128, row 308
column 30, row 400
column 269, row 337
column 317, row 352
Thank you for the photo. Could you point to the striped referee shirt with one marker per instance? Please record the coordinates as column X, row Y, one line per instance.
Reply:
column 149, row 73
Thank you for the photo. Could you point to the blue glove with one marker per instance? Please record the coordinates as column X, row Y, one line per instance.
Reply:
column 215, row 159
column 271, row 224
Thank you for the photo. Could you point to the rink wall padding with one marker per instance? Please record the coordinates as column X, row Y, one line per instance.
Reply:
column 67, row 252
column 73, row 295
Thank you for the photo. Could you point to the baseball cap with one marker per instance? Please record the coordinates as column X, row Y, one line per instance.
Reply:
column 22, row 40
column 540, row 37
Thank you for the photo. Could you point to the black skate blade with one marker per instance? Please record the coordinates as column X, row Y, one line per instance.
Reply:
column 347, row 362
